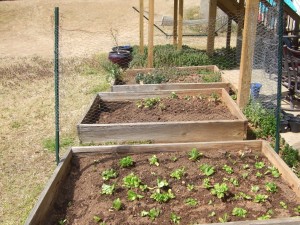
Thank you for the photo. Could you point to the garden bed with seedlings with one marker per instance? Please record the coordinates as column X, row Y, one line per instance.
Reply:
column 163, row 116
column 185, row 183
column 150, row 79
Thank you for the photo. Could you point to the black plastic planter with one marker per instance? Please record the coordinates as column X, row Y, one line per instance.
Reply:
column 123, row 47
column 284, row 126
column 121, row 57
column 294, row 123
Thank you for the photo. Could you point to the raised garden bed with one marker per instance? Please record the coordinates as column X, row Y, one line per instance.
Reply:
column 110, row 117
column 77, row 193
column 193, row 77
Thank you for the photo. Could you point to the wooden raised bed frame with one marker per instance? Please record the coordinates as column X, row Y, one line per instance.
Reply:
column 169, row 86
column 40, row 212
column 162, row 132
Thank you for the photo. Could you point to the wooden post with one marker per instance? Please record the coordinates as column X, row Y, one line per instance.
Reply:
column 228, row 37
column 240, row 30
column 150, row 33
column 141, row 26
column 180, row 23
column 175, row 16
column 211, row 27
column 249, row 35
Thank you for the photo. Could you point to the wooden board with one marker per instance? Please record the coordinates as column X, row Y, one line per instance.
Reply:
column 41, row 210
column 162, row 132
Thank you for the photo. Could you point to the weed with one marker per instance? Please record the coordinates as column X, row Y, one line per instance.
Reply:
column 240, row 212
column 65, row 142
column 245, row 175
column 297, row 209
column 246, row 166
column 210, row 78
column 126, row 162
column 175, row 218
column 152, row 213
column 212, row 214
column 113, row 71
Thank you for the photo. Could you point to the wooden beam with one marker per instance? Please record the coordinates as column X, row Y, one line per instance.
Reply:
column 249, row 35
column 175, row 23
column 180, row 23
column 141, row 26
column 240, row 25
column 228, row 37
column 150, row 33
column 211, row 27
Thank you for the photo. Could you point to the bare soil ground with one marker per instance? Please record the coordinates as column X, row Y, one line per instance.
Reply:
column 26, row 83
column 81, row 199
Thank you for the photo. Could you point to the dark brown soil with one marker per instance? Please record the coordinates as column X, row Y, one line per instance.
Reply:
column 167, row 109
column 80, row 198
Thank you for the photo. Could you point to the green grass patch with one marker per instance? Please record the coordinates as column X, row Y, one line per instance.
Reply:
column 49, row 143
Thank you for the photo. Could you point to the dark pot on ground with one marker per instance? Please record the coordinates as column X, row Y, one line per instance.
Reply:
column 284, row 126
column 294, row 123
column 121, row 57
column 123, row 47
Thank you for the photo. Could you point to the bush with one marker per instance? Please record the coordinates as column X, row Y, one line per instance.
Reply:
column 290, row 156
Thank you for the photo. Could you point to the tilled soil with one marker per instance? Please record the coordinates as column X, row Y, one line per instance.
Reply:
column 188, row 108
column 80, row 198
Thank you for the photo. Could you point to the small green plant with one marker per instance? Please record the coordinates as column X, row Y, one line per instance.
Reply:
column 190, row 187
column 126, row 162
column 246, row 166
column 206, row 183
column 297, row 209
column 255, row 188
column 212, row 77
column 260, row 198
column 239, row 212
column 194, row 154
column 220, row 190
column 131, row 195
column 109, row 174
column 212, row 214
column 242, row 195
column 162, row 183
column 266, row 216
column 234, row 181
column 97, row 219
column 271, row 187
column 227, row 169
column 274, row 171
column 207, row 169
column 283, row 205
column 152, row 213
column 290, row 156
column 62, row 221
column 224, row 218
column 191, row 202
column 173, row 95
column 49, row 143
column 108, row 189
column 178, row 173
column 258, row 174
column 174, row 158
column 214, row 97
column 161, row 197
column 245, row 175
column 117, row 204
column 259, row 165
column 147, row 103
column 175, row 218
column 131, row 181
column 153, row 160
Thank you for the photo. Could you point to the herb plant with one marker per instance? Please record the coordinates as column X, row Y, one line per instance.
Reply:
column 220, row 190
column 194, row 154
column 152, row 213
column 207, row 169
column 126, row 162
column 239, row 212
column 109, row 174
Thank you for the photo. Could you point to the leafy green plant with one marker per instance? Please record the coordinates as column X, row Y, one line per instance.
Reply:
column 191, row 202
column 224, row 218
column 206, row 183
column 214, row 97
column 258, row 174
column 161, row 197
column 117, row 204
column 246, row 166
column 254, row 188
column 212, row 214
column 148, row 102
column 227, row 169
column 234, row 181
column 153, row 160
column 131, row 195
column 162, row 183
column 190, row 187
column 266, row 216
column 97, row 219
column 174, row 158
column 113, row 71
column 194, row 154
column 152, row 213
column 207, row 169
column 109, row 174
column 126, row 162
column 173, row 95
column 245, row 175
column 108, row 189
column 260, row 198
column 290, row 156
column 211, row 77
column 220, row 190
column 259, row 165
column 242, row 195
column 297, row 209
column 178, row 173
column 283, row 205
column 274, row 171
column 271, row 187
column 239, row 212
column 131, row 181
column 155, row 77
column 175, row 218
column 62, row 221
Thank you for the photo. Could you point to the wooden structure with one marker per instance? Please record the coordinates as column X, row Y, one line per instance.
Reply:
column 161, row 132
column 40, row 212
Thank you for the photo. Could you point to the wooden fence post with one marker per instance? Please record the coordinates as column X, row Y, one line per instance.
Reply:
column 141, row 26
column 211, row 27
column 175, row 16
column 150, row 33
column 180, row 24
